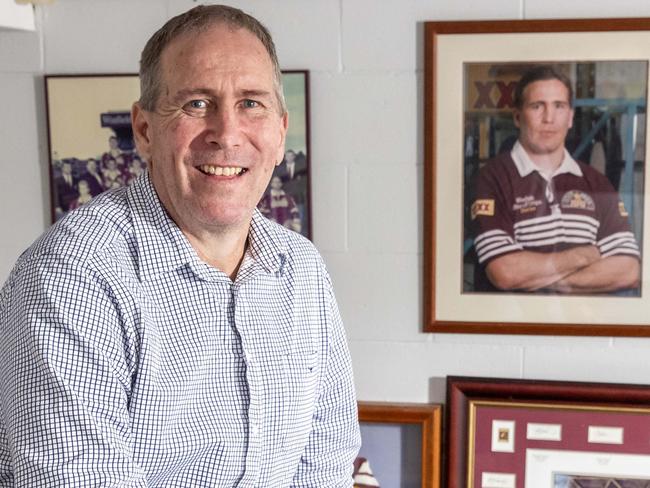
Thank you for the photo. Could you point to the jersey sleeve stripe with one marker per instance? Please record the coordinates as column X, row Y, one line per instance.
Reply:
column 622, row 250
column 496, row 252
column 615, row 237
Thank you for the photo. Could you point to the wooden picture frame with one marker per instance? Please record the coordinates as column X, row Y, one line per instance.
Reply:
column 398, row 428
column 89, row 129
column 516, row 433
column 449, row 48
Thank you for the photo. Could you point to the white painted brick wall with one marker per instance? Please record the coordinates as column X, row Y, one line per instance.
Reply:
column 365, row 58
column 23, row 187
column 98, row 36
column 20, row 51
column 555, row 9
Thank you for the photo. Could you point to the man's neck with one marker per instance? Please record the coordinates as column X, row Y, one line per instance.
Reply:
column 223, row 249
column 547, row 163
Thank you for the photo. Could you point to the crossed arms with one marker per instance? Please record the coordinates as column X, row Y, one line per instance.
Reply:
column 581, row 269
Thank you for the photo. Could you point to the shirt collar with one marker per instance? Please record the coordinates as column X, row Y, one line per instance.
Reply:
column 267, row 243
column 162, row 246
column 525, row 165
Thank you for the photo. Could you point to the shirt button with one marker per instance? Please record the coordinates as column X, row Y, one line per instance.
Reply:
column 254, row 430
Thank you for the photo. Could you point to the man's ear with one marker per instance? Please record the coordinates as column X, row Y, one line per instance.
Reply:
column 140, row 123
column 283, row 136
column 515, row 117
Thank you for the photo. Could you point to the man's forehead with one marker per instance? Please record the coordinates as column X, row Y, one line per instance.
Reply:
column 216, row 38
column 546, row 88
column 216, row 49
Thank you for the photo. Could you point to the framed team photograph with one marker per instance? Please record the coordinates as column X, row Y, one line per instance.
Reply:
column 535, row 222
column 90, row 138
column 287, row 200
column 400, row 445
column 91, row 144
column 504, row 433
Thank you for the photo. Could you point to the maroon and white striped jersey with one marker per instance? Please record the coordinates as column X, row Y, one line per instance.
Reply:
column 516, row 208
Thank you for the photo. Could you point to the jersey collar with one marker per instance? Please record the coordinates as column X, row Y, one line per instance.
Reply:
column 525, row 165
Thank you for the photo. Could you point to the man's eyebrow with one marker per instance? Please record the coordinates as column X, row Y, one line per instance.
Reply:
column 199, row 91
column 255, row 93
column 548, row 101
column 190, row 92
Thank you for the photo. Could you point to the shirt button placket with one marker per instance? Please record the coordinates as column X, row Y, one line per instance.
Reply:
column 253, row 455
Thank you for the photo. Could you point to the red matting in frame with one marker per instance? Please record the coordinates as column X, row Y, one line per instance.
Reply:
column 574, row 422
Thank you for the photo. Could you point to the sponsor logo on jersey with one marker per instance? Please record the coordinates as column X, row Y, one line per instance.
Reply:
column 577, row 199
column 526, row 204
column 621, row 209
column 483, row 207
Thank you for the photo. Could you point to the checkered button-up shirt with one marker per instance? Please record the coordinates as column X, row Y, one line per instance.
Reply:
column 127, row 361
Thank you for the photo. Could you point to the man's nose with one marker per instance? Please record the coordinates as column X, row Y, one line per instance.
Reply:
column 549, row 114
column 223, row 127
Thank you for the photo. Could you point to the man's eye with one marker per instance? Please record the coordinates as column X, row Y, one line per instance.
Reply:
column 197, row 104
column 250, row 103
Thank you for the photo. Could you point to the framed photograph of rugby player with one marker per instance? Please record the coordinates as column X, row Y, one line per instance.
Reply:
column 400, row 445
column 558, row 434
column 535, row 222
column 91, row 144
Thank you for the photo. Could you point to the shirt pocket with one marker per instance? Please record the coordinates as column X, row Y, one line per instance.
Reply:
column 301, row 380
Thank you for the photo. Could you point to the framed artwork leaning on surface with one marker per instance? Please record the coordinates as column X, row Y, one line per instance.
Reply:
column 400, row 445
column 489, row 199
column 91, row 145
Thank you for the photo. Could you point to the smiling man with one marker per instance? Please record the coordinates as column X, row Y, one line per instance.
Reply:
column 166, row 334
column 541, row 220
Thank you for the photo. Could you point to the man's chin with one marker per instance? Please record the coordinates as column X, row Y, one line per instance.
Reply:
column 223, row 219
column 544, row 149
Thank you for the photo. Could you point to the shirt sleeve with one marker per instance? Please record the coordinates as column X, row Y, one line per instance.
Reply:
column 614, row 234
column 492, row 224
column 64, row 381
column 335, row 440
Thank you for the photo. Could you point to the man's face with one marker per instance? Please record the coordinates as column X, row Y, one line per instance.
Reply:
column 217, row 130
column 276, row 183
column 84, row 189
column 544, row 118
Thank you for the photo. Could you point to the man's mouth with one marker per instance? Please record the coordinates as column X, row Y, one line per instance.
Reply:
column 221, row 170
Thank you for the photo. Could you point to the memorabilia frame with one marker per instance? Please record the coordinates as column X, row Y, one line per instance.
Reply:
column 86, row 110
column 602, row 428
column 427, row 417
column 447, row 308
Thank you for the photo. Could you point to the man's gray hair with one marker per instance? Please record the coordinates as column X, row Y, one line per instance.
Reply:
column 196, row 20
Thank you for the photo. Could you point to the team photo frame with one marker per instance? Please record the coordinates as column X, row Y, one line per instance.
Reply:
column 91, row 146
column 471, row 71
